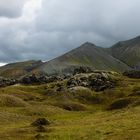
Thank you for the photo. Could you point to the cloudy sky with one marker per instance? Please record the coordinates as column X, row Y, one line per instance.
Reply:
column 44, row 29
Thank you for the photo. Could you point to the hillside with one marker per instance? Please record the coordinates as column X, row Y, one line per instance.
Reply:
column 65, row 110
column 86, row 55
column 127, row 52
column 15, row 70
column 120, row 57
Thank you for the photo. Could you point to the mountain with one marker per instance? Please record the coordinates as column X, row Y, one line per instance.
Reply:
column 15, row 70
column 127, row 52
column 120, row 57
column 86, row 55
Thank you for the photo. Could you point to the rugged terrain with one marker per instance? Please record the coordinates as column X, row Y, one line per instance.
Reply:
column 124, row 55
column 99, row 105
column 89, row 93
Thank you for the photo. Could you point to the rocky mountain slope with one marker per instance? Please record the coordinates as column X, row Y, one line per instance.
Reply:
column 127, row 52
column 86, row 55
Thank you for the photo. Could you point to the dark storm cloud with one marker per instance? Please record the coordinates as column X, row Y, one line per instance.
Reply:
column 44, row 32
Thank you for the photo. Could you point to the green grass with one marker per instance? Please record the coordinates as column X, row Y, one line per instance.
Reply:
column 92, row 122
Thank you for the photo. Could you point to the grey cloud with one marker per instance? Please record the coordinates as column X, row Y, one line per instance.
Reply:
column 60, row 26
column 11, row 8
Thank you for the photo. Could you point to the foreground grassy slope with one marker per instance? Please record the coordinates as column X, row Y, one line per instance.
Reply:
column 82, row 114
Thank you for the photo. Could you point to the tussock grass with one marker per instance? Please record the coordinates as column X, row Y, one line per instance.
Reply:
column 11, row 101
column 89, row 97
column 72, row 106
column 120, row 103
column 75, row 115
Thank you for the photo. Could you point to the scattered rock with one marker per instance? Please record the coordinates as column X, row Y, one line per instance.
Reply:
column 101, row 82
column 34, row 79
column 83, row 69
column 72, row 82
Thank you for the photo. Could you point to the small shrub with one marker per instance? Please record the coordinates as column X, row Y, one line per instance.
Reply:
column 40, row 122
column 72, row 106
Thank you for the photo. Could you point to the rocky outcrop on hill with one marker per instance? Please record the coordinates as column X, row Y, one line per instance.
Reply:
column 34, row 79
column 7, row 82
column 82, row 77
column 97, row 80
column 83, row 69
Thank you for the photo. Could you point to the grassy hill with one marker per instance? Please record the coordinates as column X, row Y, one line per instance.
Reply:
column 15, row 70
column 74, row 114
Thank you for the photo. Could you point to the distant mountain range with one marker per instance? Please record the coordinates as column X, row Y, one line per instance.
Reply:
column 120, row 57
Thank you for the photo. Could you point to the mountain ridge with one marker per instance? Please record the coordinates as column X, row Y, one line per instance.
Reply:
column 86, row 55
column 120, row 57
column 127, row 51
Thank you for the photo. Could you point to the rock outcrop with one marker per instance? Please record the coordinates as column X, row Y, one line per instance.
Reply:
column 7, row 82
column 97, row 80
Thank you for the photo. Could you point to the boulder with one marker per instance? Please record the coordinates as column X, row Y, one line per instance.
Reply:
column 83, row 69
column 72, row 82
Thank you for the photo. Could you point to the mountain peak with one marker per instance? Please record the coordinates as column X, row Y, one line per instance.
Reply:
column 88, row 44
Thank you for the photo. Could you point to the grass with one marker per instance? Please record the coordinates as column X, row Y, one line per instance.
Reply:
column 11, row 101
column 73, row 115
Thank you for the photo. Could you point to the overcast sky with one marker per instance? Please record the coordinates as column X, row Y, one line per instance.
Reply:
column 44, row 29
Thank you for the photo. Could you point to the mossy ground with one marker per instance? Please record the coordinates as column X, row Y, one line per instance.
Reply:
column 94, row 122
